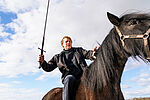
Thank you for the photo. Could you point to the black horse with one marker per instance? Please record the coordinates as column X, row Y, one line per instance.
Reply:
column 101, row 80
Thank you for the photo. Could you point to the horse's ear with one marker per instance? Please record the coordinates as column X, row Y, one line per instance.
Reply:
column 113, row 19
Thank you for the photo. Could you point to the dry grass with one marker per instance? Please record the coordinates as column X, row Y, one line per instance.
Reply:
column 141, row 99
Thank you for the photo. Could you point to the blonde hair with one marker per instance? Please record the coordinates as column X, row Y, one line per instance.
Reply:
column 64, row 38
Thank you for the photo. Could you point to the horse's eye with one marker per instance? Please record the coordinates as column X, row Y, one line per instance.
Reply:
column 133, row 22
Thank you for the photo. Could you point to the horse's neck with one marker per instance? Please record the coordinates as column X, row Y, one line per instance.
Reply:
column 116, row 61
column 114, row 49
column 108, row 66
column 112, row 57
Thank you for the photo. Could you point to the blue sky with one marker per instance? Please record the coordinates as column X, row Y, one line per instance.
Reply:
column 21, row 30
column 5, row 18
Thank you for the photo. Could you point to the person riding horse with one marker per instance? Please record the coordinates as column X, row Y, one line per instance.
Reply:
column 70, row 63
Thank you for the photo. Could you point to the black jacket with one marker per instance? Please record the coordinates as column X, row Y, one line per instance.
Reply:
column 69, row 62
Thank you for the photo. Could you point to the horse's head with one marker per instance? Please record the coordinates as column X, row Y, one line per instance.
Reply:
column 133, row 30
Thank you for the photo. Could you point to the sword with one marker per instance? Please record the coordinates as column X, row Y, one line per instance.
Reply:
column 42, row 49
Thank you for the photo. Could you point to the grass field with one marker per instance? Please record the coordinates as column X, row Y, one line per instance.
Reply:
column 141, row 99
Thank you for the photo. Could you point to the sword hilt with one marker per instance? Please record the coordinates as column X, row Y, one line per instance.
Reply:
column 41, row 54
column 41, row 50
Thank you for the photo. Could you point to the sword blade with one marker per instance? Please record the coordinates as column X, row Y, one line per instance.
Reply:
column 42, row 49
column 43, row 40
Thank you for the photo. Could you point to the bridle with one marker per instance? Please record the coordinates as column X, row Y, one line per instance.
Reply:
column 144, row 36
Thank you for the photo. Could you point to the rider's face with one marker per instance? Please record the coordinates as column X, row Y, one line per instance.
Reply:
column 67, row 43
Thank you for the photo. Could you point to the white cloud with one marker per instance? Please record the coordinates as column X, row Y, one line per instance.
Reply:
column 18, row 5
column 138, row 86
column 133, row 64
column 16, row 82
column 142, row 80
column 2, row 33
column 125, row 86
column 10, row 93
column 46, row 75
column 138, row 93
column 19, row 55
column 4, row 85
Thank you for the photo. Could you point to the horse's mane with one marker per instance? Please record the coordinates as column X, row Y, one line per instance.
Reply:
column 99, row 72
column 102, row 70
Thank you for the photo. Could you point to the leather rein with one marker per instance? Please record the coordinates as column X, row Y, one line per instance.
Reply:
column 144, row 36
